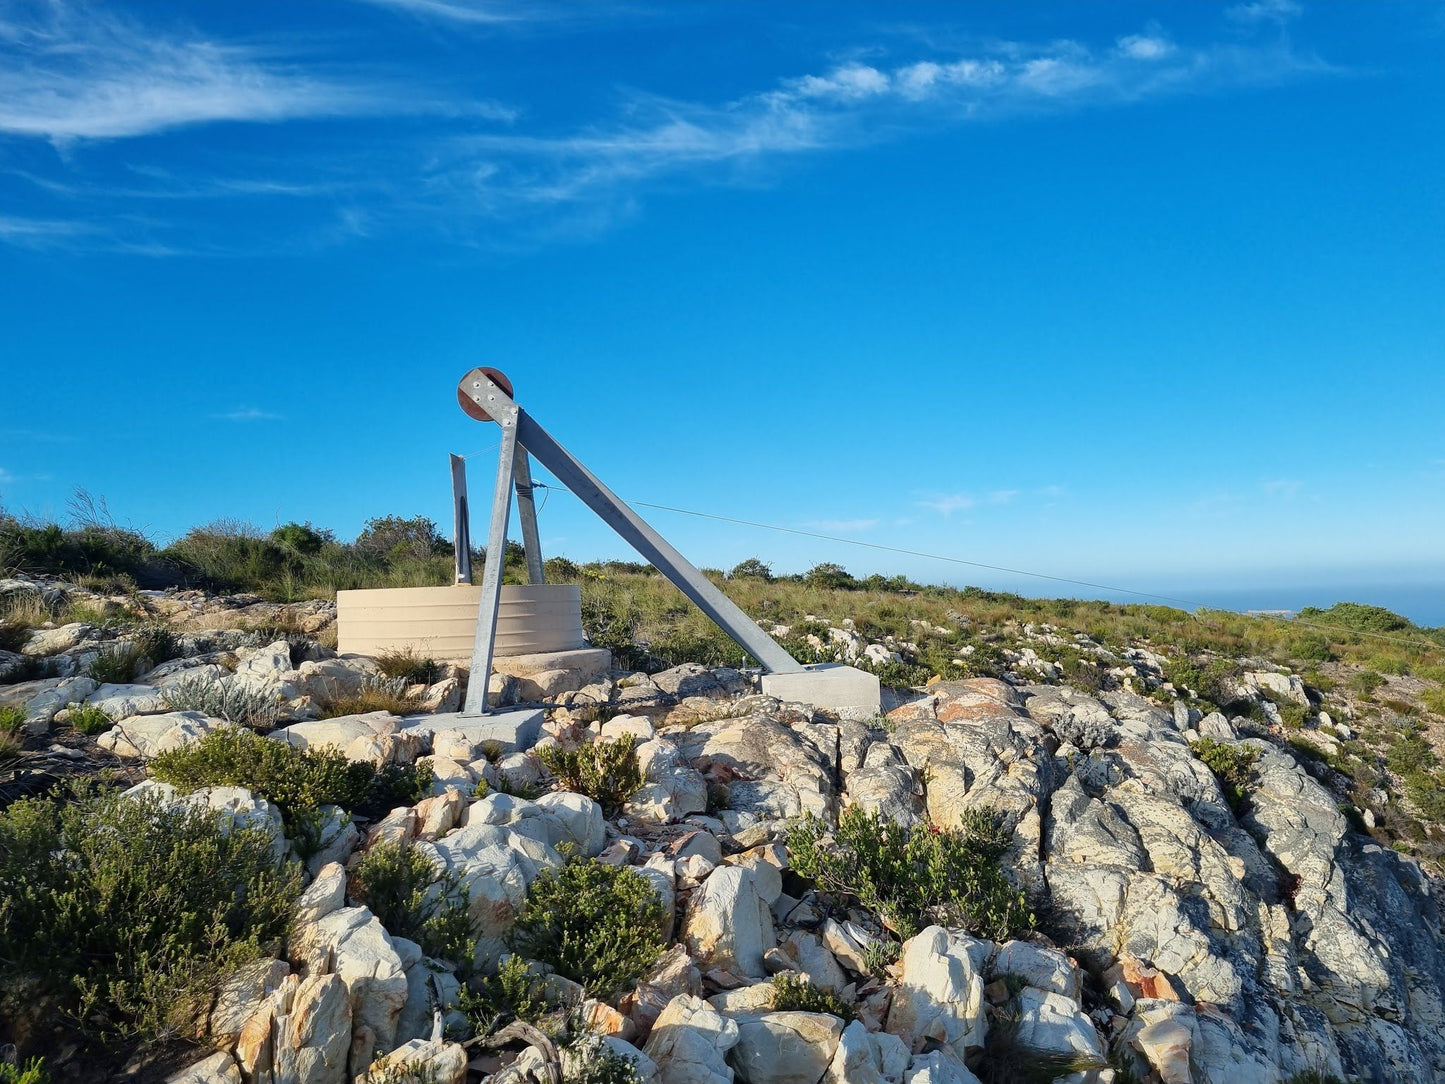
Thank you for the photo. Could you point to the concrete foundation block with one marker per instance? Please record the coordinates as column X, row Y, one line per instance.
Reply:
column 833, row 686
column 515, row 731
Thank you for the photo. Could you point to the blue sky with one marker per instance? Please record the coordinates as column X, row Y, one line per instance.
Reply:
column 1142, row 293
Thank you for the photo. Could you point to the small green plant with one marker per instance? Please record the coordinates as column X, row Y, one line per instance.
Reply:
column 32, row 1072
column 1365, row 682
column 295, row 779
column 1409, row 754
column 588, row 1060
column 117, row 664
column 1233, row 767
column 598, row 925
column 912, row 877
column 376, row 693
column 409, row 667
column 793, row 992
column 243, row 705
column 156, row 644
column 413, row 899
column 515, row 992
column 1434, row 700
column 89, row 719
column 124, row 912
column 605, row 771
column 12, row 736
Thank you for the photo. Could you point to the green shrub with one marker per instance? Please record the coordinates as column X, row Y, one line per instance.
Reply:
column 1427, row 792
column 413, row 899
column 244, row 705
column 126, row 911
column 793, row 992
column 376, row 693
column 515, row 992
column 598, row 925
column 118, row 663
column 32, row 1072
column 1311, row 647
column 409, row 667
column 1434, row 700
column 89, row 719
column 1365, row 682
column 914, row 877
column 752, row 568
column 1410, row 753
column 588, row 1060
column 1208, row 681
column 899, row 675
column 605, row 771
column 1232, row 765
column 12, row 737
column 156, row 644
column 295, row 779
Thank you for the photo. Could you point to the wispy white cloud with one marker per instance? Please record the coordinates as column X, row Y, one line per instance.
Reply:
column 948, row 503
column 850, row 104
column 79, row 72
column 1261, row 11
column 6, row 478
column 465, row 11
column 844, row 525
column 39, row 232
column 1153, row 46
column 247, row 414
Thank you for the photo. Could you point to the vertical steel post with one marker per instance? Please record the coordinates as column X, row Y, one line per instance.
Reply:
column 461, row 520
column 476, row 703
column 527, row 513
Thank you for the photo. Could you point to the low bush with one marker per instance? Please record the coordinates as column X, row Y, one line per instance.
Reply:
column 376, row 693
column 89, row 719
column 12, row 736
column 1411, row 753
column 409, row 667
column 793, row 992
column 605, row 771
column 296, row 780
column 32, row 1072
column 1233, row 767
column 1365, row 682
column 415, row 900
column 1434, row 700
column 119, row 663
column 124, row 912
column 515, row 992
column 244, row 705
column 913, row 877
column 586, row 1059
column 598, row 925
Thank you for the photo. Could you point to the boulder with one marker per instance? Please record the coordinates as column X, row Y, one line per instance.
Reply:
column 940, row 993
column 420, row 1061
column 148, row 736
column 785, row 1047
column 690, row 1041
column 218, row 1068
column 728, row 925
column 574, row 819
column 359, row 951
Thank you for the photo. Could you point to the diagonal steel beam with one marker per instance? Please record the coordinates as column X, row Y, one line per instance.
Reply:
column 486, row 393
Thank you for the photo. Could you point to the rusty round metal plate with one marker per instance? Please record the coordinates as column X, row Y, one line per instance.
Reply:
column 472, row 408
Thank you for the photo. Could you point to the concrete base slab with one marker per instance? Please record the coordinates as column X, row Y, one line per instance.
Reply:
column 830, row 685
column 589, row 663
column 515, row 731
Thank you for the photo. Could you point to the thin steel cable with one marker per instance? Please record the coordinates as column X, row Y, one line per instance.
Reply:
column 1188, row 604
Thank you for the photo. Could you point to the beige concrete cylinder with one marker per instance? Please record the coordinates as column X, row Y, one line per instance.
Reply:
column 441, row 622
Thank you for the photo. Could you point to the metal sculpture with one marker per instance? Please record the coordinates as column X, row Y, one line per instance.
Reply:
column 486, row 395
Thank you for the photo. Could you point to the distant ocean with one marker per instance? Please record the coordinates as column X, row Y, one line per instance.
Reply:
column 1424, row 605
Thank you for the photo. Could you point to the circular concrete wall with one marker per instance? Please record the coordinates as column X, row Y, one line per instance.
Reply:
column 440, row 622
